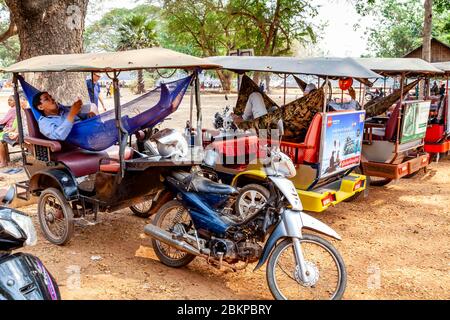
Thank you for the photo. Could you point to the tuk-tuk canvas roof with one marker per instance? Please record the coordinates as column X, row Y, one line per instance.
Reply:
column 396, row 66
column 151, row 58
column 444, row 66
column 332, row 67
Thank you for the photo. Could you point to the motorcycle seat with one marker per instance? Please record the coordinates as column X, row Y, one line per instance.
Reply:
column 204, row 185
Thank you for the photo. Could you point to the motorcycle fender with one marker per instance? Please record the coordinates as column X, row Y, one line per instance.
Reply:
column 256, row 174
column 313, row 224
column 289, row 226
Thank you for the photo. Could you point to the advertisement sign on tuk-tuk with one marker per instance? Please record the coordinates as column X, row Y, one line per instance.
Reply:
column 341, row 142
column 415, row 120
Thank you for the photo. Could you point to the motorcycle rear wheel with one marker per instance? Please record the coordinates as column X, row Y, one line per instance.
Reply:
column 295, row 289
column 168, row 255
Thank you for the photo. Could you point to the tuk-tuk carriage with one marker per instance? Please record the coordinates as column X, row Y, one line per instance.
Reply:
column 394, row 132
column 437, row 138
column 95, row 169
column 325, row 153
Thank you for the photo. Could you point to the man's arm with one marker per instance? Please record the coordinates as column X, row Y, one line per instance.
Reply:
column 101, row 101
column 53, row 129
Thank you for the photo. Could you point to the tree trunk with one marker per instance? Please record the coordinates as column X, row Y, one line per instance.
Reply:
column 426, row 46
column 267, row 79
column 52, row 27
column 225, row 80
column 140, row 84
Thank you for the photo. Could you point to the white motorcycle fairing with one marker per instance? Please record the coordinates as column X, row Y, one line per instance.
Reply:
column 289, row 191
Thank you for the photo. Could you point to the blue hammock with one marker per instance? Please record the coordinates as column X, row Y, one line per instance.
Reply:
column 100, row 132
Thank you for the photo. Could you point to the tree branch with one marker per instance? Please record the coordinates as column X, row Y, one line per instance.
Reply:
column 12, row 31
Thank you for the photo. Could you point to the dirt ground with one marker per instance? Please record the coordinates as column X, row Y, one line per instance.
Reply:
column 395, row 246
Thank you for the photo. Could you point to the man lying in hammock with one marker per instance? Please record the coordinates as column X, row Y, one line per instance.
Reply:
column 57, row 121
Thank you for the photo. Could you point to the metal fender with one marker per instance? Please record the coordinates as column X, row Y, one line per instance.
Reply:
column 59, row 178
column 318, row 226
column 259, row 174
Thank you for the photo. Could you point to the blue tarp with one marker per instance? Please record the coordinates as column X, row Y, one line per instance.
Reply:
column 100, row 132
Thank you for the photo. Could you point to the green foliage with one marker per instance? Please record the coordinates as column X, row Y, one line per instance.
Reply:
column 273, row 26
column 136, row 32
column 9, row 49
column 103, row 35
column 400, row 25
column 215, row 27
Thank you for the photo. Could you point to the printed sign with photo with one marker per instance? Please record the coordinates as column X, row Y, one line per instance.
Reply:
column 415, row 120
column 341, row 142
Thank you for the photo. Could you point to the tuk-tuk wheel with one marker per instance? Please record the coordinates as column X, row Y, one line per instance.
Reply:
column 354, row 197
column 411, row 175
column 142, row 210
column 379, row 182
column 55, row 216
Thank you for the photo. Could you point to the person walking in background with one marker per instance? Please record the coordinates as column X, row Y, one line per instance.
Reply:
column 108, row 89
column 94, row 89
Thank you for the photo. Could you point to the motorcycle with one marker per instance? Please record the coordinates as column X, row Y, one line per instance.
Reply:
column 22, row 276
column 201, row 223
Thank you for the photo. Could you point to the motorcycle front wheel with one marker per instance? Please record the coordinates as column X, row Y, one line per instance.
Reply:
column 327, row 277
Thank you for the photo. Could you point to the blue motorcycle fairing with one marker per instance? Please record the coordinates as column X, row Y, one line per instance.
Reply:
column 203, row 216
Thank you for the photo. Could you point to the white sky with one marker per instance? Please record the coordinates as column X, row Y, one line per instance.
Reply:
column 339, row 39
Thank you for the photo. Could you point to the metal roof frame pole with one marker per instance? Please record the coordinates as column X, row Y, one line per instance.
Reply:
column 199, row 140
column 384, row 86
column 399, row 119
column 285, row 88
column 446, row 106
column 325, row 89
column 363, row 96
column 122, row 134
column 19, row 118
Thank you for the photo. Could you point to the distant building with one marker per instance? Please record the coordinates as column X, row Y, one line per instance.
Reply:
column 440, row 52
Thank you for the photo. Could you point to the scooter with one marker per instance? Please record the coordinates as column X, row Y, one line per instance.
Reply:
column 22, row 276
column 200, row 223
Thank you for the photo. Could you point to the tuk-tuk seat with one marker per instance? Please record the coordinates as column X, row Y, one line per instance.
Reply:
column 81, row 162
column 391, row 125
column 390, row 128
column 307, row 151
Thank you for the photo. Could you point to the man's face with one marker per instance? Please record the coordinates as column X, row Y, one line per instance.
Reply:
column 48, row 104
column 11, row 102
column 95, row 78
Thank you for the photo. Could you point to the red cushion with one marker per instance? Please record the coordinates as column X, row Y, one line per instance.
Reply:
column 391, row 125
column 236, row 146
column 308, row 151
column 435, row 132
column 112, row 164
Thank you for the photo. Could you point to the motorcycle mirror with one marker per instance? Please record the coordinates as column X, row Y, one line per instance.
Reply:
column 280, row 126
column 9, row 196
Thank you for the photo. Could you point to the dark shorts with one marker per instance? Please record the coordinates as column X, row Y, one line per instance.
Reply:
column 8, row 140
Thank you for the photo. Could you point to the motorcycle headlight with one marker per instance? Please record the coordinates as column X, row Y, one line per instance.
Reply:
column 18, row 224
column 284, row 166
column 11, row 228
column 26, row 224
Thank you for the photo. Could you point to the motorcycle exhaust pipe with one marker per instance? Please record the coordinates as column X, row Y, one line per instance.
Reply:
column 166, row 237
